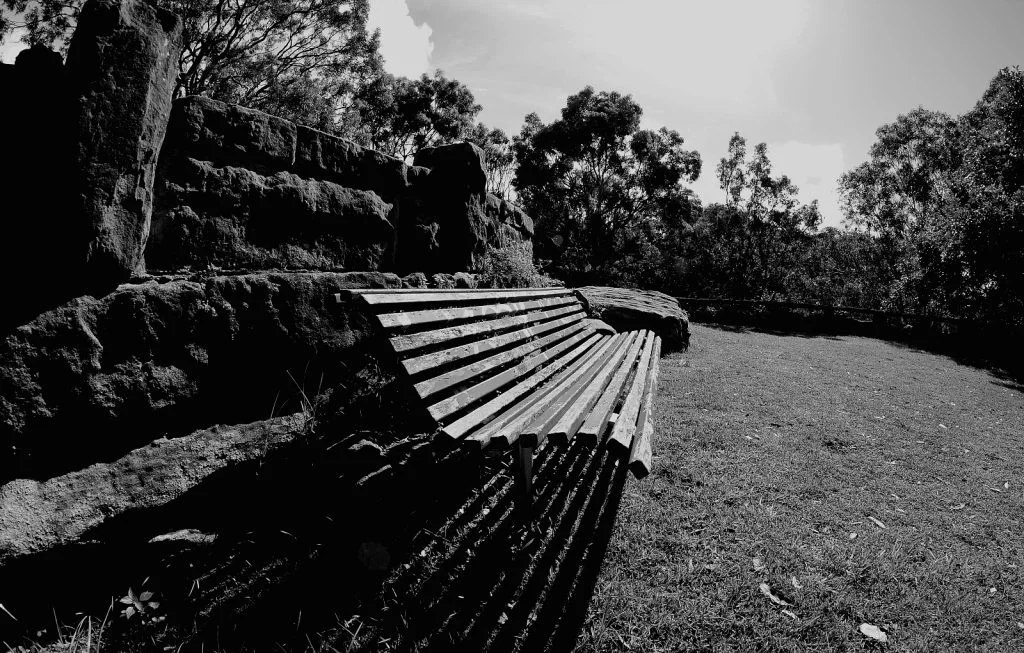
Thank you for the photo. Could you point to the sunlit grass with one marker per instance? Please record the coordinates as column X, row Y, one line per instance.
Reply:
column 785, row 449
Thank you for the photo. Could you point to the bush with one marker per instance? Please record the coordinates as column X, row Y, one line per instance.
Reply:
column 511, row 267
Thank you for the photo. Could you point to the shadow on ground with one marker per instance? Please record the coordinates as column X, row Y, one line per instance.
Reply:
column 311, row 554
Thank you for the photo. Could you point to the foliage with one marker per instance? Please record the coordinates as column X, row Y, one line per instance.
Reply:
column 400, row 116
column 299, row 59
column 510, row 267
column 594, row 181
column 499, row 157
column 943, row 197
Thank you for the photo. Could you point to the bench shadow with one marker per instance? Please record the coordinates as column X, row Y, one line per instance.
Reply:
column 312, row 555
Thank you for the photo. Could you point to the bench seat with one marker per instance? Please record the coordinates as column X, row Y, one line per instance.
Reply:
column 519, row 368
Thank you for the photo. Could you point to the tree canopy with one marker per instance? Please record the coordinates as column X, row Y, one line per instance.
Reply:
column 596, row 183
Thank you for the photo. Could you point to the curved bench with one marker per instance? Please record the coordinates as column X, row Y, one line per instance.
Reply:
column 520, row 368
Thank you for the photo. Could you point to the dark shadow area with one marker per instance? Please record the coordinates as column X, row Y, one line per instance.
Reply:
column 987, row 347
column 314, row 552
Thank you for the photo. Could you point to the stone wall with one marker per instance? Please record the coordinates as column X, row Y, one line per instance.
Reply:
column 240, row 189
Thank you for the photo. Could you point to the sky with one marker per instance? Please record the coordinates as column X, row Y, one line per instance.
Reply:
column 813, row 79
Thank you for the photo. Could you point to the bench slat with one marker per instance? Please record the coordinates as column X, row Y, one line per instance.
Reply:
column 625, row 427
column 432, row 386
column 388, row 298
column 426, row 362
column 571, row 421
column 640, row 454
column 538, row 430
column 564, row 306
column 599, row 416
column 448, row 315
column 509, row 428
column 464, row 424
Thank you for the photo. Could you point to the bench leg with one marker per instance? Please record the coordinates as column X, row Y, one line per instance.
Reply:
column 524, row 476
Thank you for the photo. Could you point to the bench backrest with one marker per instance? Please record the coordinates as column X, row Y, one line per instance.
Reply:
column 471, row 354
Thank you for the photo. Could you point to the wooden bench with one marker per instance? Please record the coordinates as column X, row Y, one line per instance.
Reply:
column 520, row 368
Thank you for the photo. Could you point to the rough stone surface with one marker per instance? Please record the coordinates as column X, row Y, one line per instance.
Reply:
column 627, row 309
column 600, row 326
column 414, row 280
column 121, row 65
column 236, row 218
column 95, row 378
column 442, row 280
column 464, row 280
column 39, row 516
column 38, row 228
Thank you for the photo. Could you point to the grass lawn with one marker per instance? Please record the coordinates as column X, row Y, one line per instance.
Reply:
column 863, row 481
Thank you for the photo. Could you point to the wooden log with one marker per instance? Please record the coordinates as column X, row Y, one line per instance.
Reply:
column 448, row 316
column 594, row 425
column 564, row 307
column 579, row 343
column 621, row 437
column 572, row 419
column 640, row 453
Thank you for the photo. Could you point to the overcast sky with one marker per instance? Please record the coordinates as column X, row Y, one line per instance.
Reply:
column 812, row 78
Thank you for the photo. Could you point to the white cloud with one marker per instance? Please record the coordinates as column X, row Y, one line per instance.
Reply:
column 12, row 45
column 815, row 169
column 405, row 46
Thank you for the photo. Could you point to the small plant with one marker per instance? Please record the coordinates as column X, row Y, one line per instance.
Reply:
column 138, row 604
column 511, row 266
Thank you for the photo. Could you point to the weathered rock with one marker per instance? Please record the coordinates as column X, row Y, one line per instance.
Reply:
column 122, row 65
column 600, row 326
column 39, row 516
column 464, row 280
column 236, row 218
column 39, row 230
column 627, row 309
column 229, row 135
column 442, row 280
column 323, row 156
column 414, row 280
column 97, row 377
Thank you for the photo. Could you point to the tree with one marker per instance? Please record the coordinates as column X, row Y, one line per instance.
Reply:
column 300, row 59
column 400, row 116
column 595, row 182
column 499, row 156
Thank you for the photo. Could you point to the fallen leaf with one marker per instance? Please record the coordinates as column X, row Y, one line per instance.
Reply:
column 767, row 591
column 758, row 565
column 874, row 632
column 959, row 506
column 789, row 614
column 1020, row 624
column 900, row 510
column 942, row 426
column 797, row 584
column 995, row 489
column 877, row 522
column 853, row 536
column 1006, row 485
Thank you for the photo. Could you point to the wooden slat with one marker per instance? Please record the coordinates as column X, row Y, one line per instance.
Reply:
column 534, row 433
column 625, row 427
column 598, row 417
column 386, row 298
column 448, row 315
column 426, row 362
column 570, row 422
column 464, row 424
column 432, row 386
column 508, row 428
column 563, row 306
column 640, row 454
